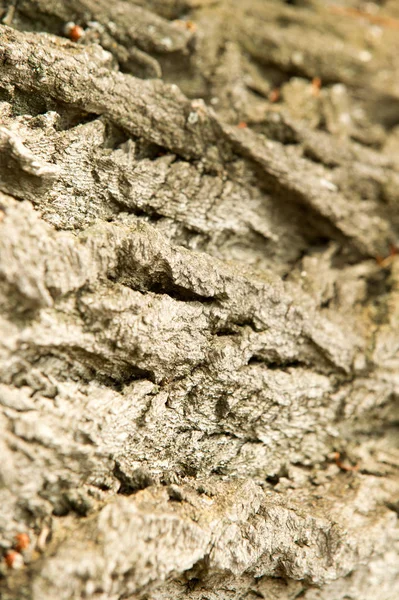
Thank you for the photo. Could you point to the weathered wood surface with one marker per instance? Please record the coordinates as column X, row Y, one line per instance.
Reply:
column 199, row 300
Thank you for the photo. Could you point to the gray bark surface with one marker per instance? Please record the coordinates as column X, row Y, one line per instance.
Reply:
column 199, row 291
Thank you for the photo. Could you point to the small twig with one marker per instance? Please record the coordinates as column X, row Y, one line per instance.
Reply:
column 316, row 85
column 389, row 22
column 42, row 539
column 10, row 12
column 343, row 466
column 385, row 262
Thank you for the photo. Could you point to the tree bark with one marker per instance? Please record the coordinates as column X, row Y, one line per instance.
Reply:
column 199, row 289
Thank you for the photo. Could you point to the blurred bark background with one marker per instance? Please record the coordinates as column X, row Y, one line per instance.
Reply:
column 199, row 288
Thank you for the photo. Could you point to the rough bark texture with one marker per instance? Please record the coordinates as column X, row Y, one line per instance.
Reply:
column 199, row 300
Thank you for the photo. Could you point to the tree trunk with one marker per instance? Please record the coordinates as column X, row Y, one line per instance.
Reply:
column 199, row 287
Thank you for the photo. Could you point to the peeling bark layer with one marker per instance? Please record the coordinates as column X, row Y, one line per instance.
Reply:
column 199, row 290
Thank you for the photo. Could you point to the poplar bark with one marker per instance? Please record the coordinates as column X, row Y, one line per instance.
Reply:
column 199, row 292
